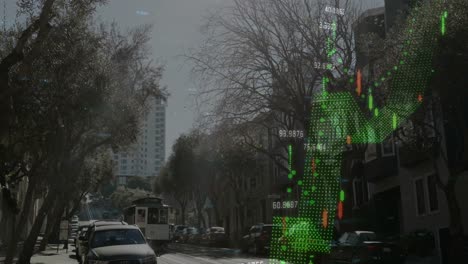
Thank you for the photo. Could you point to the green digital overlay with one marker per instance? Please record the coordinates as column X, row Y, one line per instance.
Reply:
column 336, row 119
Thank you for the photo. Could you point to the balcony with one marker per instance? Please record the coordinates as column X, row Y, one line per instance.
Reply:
column 381, row 168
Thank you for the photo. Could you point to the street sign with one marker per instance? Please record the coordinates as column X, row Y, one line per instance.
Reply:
column 63, row 235
column 274, row 196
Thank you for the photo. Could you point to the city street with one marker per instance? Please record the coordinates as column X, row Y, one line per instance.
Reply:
column 178, row 254
column 210, row 131
column 182, row 253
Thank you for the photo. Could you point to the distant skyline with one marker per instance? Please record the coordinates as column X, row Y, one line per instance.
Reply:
column 176, row 29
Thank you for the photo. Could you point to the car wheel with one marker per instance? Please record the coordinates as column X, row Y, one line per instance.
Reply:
column 245, row 249
column 255, row 249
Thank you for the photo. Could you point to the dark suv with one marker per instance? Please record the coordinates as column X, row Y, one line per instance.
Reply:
column 117, row 244
column 84, row 238
column 257, row 239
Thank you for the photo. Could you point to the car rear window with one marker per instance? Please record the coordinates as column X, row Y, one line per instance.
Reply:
column 114, row 237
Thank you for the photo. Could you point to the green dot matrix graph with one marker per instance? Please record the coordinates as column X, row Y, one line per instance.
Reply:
column 336, row 121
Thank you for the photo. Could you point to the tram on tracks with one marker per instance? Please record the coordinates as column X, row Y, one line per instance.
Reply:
column 150, row 214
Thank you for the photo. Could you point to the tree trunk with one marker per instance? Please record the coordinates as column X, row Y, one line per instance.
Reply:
column 182, row 214
column 217, row 216
column 203, row 222
column 28, row 246
column 28, row 201
column 209, row 212
column 52, row 220
column 242, row 217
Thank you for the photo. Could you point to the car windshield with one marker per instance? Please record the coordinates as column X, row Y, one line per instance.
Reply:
column 367, row 237
column 217, row 230
column 355, row 238
column 116, row 237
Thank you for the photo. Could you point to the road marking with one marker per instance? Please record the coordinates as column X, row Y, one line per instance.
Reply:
column 171, row 258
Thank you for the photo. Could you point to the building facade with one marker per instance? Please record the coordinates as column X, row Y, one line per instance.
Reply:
column 145, row 157
column 394, row 186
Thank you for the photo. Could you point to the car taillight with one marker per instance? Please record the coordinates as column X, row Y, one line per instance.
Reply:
column 372, row 248
column 263, row 236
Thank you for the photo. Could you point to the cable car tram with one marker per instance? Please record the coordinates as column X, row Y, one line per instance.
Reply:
column 151, row 216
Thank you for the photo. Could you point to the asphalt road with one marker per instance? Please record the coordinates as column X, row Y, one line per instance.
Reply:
column 184, row 254
column 177, row 254
column 192, row 254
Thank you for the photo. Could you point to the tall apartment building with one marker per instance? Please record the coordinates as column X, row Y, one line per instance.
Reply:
column 145, row 157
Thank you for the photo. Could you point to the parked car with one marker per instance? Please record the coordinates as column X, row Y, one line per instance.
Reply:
column 171, row 231
column 106, row 215
column 186, row 233
column 178, row 231
column 215, row 236
column 122, row 243
column 258, row 239
column 81, row 232
column 84, row 239
column 195, row 236
column 364, row 247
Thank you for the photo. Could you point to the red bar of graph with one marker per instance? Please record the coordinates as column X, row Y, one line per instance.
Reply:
column 340, row 210
column 325, row 218
column 359, row 82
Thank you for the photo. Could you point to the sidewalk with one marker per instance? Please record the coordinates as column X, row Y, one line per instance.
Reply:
column 50, row 256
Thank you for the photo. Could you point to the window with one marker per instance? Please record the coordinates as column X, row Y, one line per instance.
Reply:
column 420, row 196
column 117, row 237
column 121, row 180
column 153, row 216
column 163, row 216
column 432, row 193
column 141, row 216
column 426, row 197
column 388, row 148
column 371, row 152
column 358, row 192
column 253, row 182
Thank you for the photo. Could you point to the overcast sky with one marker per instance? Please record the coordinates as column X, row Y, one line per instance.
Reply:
column 176, row 29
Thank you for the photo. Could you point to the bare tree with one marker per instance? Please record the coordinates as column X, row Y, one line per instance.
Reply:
column 263, row 63
column 91, row 88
